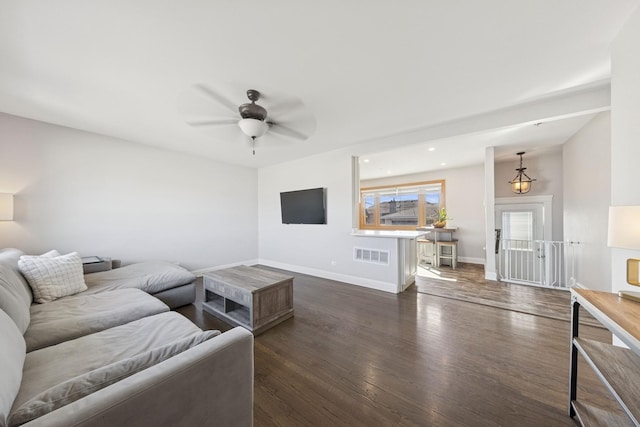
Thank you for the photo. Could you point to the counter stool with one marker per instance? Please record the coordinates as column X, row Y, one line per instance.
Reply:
column 450, row 254
column 426, row 251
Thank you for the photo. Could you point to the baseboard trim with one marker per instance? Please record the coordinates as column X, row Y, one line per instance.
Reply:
column 471, row 260
column 577, row 284
column 352, row 280
column 491, row 276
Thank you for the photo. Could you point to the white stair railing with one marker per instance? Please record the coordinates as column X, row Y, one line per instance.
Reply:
column 537, row 262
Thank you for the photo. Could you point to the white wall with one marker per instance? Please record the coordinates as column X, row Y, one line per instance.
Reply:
column 464, row 189
column 587, row 194
column 322, row 250
column 78, row 191
column 546, row 168
column 625, row 134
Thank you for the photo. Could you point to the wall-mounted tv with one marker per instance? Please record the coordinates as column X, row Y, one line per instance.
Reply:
column 304, row 206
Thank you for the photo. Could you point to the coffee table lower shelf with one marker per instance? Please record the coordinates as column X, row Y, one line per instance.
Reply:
column 227, row 309
column 239, row 315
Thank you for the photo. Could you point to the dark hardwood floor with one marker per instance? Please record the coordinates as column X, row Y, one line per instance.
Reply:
column 357, row 357
column 467, row 283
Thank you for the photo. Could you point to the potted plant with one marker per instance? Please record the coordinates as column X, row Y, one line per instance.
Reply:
column 441, row 219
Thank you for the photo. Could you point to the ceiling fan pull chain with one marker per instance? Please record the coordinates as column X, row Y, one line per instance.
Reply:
column 253, row 144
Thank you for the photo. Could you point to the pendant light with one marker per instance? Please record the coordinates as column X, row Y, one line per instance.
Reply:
column 522, row 182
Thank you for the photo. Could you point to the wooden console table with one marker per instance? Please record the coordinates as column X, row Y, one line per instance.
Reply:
column 253, row 298
column 618, row 368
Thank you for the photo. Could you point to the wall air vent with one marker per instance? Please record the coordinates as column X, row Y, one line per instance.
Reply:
column 372, row 256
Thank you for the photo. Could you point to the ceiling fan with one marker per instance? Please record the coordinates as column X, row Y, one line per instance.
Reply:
column 255, row 122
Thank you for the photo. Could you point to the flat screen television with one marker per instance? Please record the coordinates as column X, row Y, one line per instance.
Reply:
column 304, row 206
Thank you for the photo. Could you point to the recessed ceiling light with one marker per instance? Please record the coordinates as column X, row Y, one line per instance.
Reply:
column 388, row 172
column 366, row 160
column 443, row 164
column 432, row 148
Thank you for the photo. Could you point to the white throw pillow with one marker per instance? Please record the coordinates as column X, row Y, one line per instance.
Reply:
column 53, row 277
column 52, row 253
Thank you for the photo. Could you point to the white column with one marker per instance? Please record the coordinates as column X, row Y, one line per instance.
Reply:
column 489, row 215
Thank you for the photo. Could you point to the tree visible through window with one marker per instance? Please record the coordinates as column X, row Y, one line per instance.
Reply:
column 401, row 207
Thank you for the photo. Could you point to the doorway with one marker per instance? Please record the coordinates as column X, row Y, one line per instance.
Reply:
column 525, row 252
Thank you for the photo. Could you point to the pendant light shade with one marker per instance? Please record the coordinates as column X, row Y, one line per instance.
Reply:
column 521, row 184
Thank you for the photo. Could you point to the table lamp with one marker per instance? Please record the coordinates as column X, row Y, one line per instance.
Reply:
column 624, row 232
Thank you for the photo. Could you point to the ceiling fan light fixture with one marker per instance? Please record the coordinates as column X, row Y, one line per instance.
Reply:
column 253, row 128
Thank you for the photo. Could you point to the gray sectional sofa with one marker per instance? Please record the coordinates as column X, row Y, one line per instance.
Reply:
column 114, row 355
column 168, row 282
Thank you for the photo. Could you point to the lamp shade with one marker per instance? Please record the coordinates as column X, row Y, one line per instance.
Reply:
column 520, row 187
column 624, row 227
column 6, row 207
column 253, row 128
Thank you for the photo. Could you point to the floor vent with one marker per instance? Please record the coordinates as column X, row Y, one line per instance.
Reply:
column 373, row 256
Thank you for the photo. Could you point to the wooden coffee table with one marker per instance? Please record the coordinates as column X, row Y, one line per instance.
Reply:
column 250, row 297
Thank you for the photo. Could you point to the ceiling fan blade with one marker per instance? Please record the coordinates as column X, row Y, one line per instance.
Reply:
column 217, row 97
column 285, row 106
column 286, row 131
column 213, row 122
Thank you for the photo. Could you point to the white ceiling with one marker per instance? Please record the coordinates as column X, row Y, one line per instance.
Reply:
column 363, row 70
column 466, row 150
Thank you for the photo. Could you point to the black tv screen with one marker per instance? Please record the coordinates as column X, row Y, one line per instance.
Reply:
column 303, row 206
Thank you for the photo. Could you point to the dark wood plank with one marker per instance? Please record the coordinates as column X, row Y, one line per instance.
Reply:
column 615, row 365
column 467, row 283
column 357, row 357
column 592, row 416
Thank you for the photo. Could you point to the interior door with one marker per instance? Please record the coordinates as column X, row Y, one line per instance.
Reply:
column 521, row 251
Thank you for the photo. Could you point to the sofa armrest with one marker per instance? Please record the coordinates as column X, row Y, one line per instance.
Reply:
column 210, row 384
column 92, row 265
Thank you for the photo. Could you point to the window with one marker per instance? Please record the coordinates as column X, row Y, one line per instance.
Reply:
column 517, row 227
column 401, row 207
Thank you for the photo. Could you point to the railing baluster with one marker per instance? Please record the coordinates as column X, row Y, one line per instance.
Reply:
column 538, row 262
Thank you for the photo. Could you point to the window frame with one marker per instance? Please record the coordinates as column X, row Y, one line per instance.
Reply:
column 422, row 204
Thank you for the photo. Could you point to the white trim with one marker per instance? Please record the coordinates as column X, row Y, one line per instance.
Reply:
column 410, row 281
column 547, row 202
column 471, row 260
column 579, row 285
column 353, row 280
column 491, row 276
column 523, row 199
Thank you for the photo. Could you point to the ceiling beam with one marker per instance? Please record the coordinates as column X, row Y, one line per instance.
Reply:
column 587, row 100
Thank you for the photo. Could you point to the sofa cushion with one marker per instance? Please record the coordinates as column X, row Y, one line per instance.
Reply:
column 10, row 257
column 82, row 385
column 50, row 366
column 151, row 277
column 13, row 298
column 53, row 277
column 12, row 355
column 80, row 315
